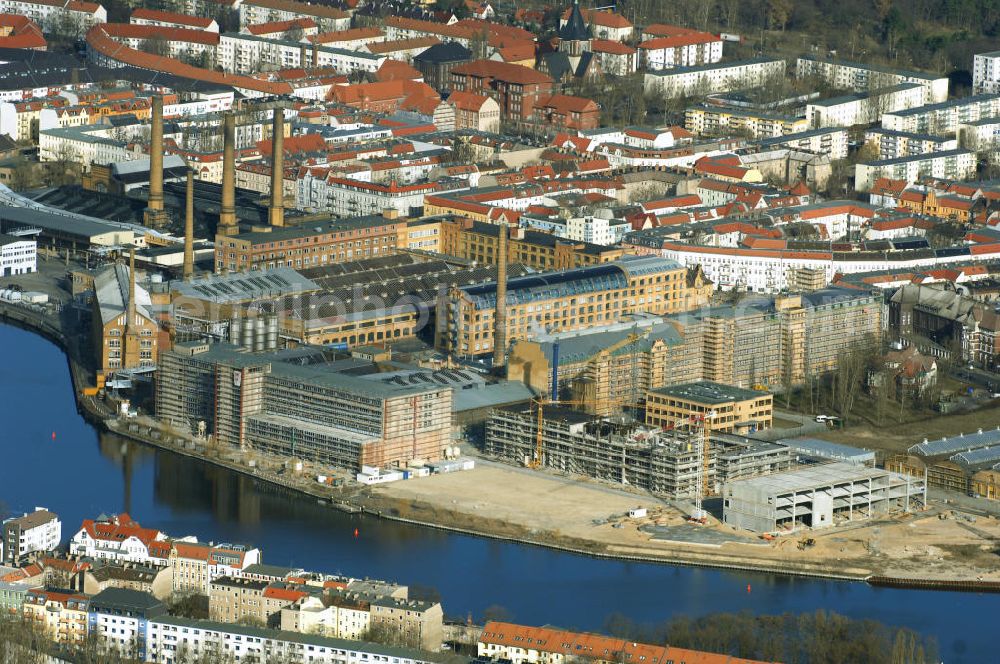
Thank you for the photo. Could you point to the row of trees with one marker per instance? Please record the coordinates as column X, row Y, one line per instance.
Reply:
column 814, row 638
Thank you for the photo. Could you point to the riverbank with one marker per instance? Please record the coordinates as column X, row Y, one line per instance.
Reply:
column 516, row 505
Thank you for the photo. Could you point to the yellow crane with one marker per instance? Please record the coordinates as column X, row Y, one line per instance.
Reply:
column 540, row 403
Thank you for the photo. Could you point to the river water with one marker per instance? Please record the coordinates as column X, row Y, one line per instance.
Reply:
column 79, row 474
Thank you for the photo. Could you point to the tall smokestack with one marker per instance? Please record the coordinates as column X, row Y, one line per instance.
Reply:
column 130, row 306
column 227, row 213
column 276, row 213
column 189, row 228
column 500, row 315
column 154, row 215
column 156, row 156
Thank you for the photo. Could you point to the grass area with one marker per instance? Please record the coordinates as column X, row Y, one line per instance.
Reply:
column 895, row 436
column 781, row 423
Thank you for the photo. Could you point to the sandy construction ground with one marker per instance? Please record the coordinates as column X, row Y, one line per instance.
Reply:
column 585, row 515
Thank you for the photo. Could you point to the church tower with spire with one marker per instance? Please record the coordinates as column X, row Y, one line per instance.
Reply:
column 574, row 37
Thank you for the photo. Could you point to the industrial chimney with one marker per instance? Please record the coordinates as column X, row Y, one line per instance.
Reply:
column 276, row 213
column 500, row 314
column 155, row 215
column 227, row 213
column 189, row 228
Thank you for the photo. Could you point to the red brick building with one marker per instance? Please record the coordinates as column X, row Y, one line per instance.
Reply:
column 566, row 112
column 517, row 89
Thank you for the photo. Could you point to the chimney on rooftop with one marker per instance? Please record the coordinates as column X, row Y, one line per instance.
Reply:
column 227, row 213
column 189, row 228
column 500, row 314
column 276, row 213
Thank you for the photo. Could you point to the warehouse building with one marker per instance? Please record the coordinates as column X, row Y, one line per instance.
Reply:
column 819, row 496
column 669, row 463
column 558, row 301
column 721, row 407
column 310, row 411
column 964, row 463
column 816, row 448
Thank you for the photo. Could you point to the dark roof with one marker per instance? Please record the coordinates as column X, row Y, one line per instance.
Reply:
column 575, row 28
column 127, row 600
column 445, row 52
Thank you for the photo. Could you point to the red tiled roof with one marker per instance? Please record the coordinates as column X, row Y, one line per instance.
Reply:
column 303, row 23
column 136, row 31
column 303, row 8
column 467, row 101
column 380, row 48
column 347, row 35
column 502, row 71
column 582, row 645
column 392, row 70
column 604, row 19
column 569, row 104
column 171, row 17
column 677, row 40
column 610, row 46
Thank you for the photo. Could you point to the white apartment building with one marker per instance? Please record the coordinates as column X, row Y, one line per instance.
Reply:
column 980, row 134
column 986, row 73
column 327, row 18
column 943, row 119
column 84, row 145
column 343, row 619
column 685, row 50
column 598, row 229
column 246, row 54
column 710, row 78
column 861, row 77
column 831, row 141
column 116, row 538
column 950, row 165
column 50, row 14
column 863, row 107
column 18, row 255
column 35, row 532
column 615, row 58
column 170, row 639
column 768, row 271
column 894, row 144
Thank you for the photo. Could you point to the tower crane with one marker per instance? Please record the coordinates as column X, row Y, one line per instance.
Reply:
column 540, row 403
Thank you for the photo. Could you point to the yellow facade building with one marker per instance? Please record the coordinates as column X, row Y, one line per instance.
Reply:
column 722, row 407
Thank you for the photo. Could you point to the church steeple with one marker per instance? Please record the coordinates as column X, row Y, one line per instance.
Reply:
column 574, row 37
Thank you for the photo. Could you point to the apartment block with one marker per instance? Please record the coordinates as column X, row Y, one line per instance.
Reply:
column 62, row 616
column 171, row 637
column 831, row 141
column 248, row 602
column 986, row 73
column 947, row 165
column 860, row 77
column 559, row 301
column 718, row 407
column 710, row 78
column 895, row 144
column 119, row 619
column 864, row 107
column 943, row 119
column 725, row 121
column 22, row 536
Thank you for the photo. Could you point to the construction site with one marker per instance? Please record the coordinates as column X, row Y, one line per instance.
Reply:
column 678, row 462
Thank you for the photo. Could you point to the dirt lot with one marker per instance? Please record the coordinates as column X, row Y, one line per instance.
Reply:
column 582, row 515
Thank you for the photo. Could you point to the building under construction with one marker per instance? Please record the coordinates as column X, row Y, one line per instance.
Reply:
column 673, row 463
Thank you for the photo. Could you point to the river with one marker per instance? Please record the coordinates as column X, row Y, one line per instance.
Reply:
column 50, row 456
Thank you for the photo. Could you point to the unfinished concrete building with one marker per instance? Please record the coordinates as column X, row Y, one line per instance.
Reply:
column 668, row 463
column 819, row 496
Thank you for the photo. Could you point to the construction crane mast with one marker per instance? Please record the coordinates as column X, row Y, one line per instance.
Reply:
column 540, row 403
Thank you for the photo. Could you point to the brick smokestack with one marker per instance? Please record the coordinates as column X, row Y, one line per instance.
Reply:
column 276, row 213
column 227, row 213
column 155, row 202
column 130, row 306
column 189, row 228
column 500, row 314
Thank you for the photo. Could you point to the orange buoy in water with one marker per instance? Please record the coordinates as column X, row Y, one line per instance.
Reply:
column 53, row 435
column 748, row 589
column 355, row 533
